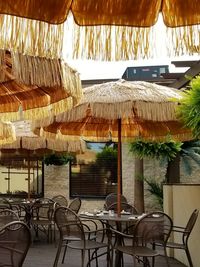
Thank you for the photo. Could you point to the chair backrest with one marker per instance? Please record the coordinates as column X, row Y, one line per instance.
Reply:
column 43, row 209
column 75, row 205
column 60, row 200
column 124, row 207
column 111, row 199
column 190, row 224
column 152, row 227
column 4, row 203
column 7, row 216
column 15, row 240
column 69, row 224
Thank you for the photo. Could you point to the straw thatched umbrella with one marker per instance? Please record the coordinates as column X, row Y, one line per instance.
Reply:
column 35, row 27
column 20, row 101
column 119, row 110
column 28, row 143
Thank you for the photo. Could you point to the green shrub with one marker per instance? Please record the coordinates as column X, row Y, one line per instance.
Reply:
column 57, row 159
column 158, row 150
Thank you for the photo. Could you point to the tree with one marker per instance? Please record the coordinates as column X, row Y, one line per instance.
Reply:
column 142, row 149
column 189, row 109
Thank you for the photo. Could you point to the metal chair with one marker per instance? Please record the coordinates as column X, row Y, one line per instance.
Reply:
column 15, row 240
column 4, row 204
column 75, row 205
column 76, row 235
column 154, row 226
column 185, row 233
column 42, row 217
column 111, row 199
column 60, row 200
column 7, row 216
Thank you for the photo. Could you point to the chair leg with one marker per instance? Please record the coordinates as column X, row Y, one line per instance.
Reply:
column 146, row 262
column 89, row 256
column 97, row 264
column 189, row 257
column 64, row 253
column 82, row 257
column 111, row 256
column 134, row 261
column 166, row 257
column 57, row 254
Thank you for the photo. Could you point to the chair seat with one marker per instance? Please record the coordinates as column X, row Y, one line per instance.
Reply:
column 42, row 222
column 70, row 238
column 89, row 244
column 140, row 251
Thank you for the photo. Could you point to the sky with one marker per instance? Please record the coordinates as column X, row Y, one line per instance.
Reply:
column 90, row 70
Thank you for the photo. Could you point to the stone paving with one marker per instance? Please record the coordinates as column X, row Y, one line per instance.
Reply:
column 42, row 254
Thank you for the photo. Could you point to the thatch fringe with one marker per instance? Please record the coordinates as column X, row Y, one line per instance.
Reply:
column 126, row 43
column 156, row 111
column 47, row 72
column 130, row 43
column 183, row 40
column 36, row 113
column 69, row 146
column 10, row 116
column 42, row 122
column 2, row 65
column 60, row 136
column 71, row 81
column 78, row 112
column 32, row 143
column 11, row 145
column 57, row 141
column 46, row 113
column 112, row 42
column 57, row 135
column 41, row 132
column 143, row 110
column 31, row 37
column 35, row 142
column 7, row 133
column 62, row 106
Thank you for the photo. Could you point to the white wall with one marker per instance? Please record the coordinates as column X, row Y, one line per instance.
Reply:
column 179, row 202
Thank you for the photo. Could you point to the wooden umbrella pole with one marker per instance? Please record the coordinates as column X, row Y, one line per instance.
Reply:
column 29, row 178
column 119, row 172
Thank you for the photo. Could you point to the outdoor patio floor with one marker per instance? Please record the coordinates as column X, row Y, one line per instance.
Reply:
column 42, row 254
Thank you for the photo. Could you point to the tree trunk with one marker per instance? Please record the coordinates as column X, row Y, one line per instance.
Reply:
column 173, row 170
column 139, row 185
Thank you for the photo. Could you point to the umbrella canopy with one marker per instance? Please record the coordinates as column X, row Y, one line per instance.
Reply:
column 27, row 140
column 41, row 33
column 28, row 143
column 100, row 130
column 18, row 100
column 122, row 99
column 89, row 12
column 122, row 109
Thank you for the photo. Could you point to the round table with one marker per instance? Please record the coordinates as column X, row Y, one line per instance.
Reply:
column 109, row 220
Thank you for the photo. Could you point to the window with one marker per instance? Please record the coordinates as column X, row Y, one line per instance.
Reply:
column 94, row 173
column 14, row 173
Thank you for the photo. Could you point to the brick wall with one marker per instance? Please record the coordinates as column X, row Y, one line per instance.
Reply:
column 57, row 180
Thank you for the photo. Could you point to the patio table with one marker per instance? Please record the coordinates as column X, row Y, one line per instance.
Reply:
column 109, row 219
